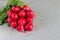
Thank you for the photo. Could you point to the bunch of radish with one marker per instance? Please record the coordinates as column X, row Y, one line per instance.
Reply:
column 21, row 18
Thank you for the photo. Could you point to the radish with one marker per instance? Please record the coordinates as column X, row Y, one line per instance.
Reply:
column 22, row 13
column 16, row 8
column 9, row 12
column 14, row 16
column 29, row 26
column 26, row 8
column 31, row 14
column 20, row 28
column 21, row 18
column 22, row 21
column 29, row 19
column 9, row 20
column 13, row 24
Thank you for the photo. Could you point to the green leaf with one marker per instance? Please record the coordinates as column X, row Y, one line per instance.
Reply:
column 20, row 3
column 3, row 17
column 13, row 2
column 8, row 24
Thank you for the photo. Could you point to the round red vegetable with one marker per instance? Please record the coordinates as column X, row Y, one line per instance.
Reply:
column 29, row 26
column 26, row 8
column 9, row 12
column 29, row 19
column 22, row 13
column 14, row 16
column 21, row 18
column 20, row 28
column 16, row 8
column 22, row 21
column 9, row 20
column 13, row 24
column 31, row 14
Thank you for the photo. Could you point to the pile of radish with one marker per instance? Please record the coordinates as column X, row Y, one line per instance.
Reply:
column 21, row 18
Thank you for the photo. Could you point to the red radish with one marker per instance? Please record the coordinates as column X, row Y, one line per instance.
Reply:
column 29, row 26
column 29, row 19
column 14, row 16
column 22, row 13
column 21, row 18
column 26, row 8
column 9, row 20
column 16, row 8
column 13, row 24
column 22, row 21
column 20, row 28
column 9, row 12
column 31, row 14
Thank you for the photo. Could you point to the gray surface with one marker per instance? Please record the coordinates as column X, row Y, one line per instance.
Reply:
column 45, row 28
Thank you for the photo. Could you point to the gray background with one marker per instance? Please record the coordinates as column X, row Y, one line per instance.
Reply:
column 46, row 24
